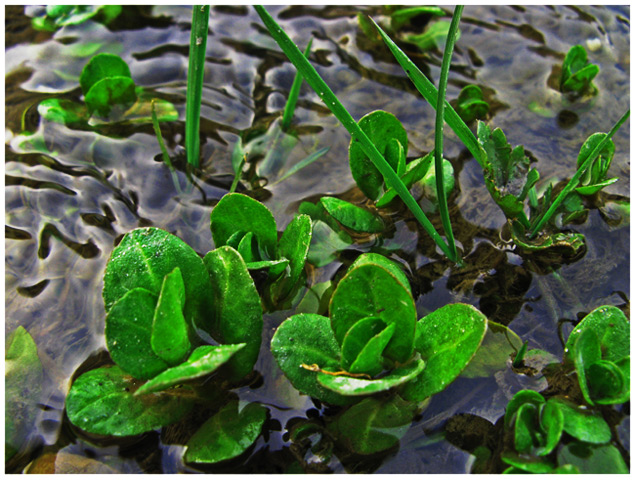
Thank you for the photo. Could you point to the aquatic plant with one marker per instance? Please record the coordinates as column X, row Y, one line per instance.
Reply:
column 577, row 73
column 53, row 17
column 471, row 104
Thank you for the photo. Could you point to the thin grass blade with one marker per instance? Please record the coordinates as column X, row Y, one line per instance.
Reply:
column 290, row 106
column 574, row 181
column 196, row 69
column 312, row 77
column 429, row 92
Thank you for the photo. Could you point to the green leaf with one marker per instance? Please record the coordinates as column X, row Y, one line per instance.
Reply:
column 101, row 66
column 528, row 464
column 612, row 329
column 169, row 335
column 551, row 424
column 102, row 401
column 63, row 111
column 582, row 423
column 447, row 339
column 525, row 428
column 560, row 243
column 586, row 351
column 404, row 15
column 237, row 311
column 520, row 398
column 23, row 375
column 471, row 104
column 128, row 334
column 382, row 261
column 370, row 360
column 374, row 424
column 352, row 216
column 396, row 155
column 230, row 432
column 274, row 267
column 236, row 212
column 605, row 382
column 597, row 171
column 495, row 351
column 381, row 127
column 294, row 245
column 576, row 73
column 203, row 361
column 351, row 386
column 598, row 459
column 370, row 290
column 144, row 257
column 357, row 338
column 248, row 248
column 433, row 37
column 326, row 243
column 415, row 171
column 428, row 181
column 307, row 339
column 108, row 92
column 506, row 171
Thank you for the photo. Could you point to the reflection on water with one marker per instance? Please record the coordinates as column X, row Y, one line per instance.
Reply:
column 70, row 195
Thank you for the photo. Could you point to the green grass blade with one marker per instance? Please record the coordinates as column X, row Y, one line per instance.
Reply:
column 196, row 69
column 429, row 92
column 331, row 101
column 290, row 106
column 574, row 181
column 439, row 128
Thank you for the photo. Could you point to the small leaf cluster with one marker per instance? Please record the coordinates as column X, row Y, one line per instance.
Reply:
column 372, row 343
column 470, row 104
column 53, row 17
column 577, row 73
column 598, row 350
column 110, row 94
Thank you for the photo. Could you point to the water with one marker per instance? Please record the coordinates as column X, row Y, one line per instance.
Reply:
column 65, row 210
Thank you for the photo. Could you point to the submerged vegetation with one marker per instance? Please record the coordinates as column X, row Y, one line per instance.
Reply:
column 185, row 332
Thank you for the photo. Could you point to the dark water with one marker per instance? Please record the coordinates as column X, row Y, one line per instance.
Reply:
column 66, row 209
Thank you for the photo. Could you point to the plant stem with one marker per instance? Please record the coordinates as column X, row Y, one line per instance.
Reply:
column 162, row 146
column 574, row 181
column 357, row 135
column 196, row 69
column 290, row 106
column 439, row 128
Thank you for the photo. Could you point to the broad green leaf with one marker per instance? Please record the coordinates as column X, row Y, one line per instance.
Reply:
column 352, row 216
column 374, row 424
column 102, row 65
column 581, row 80
column 203, row 361
column 396, row 155
column 102, row 401
column 248, row 248
column 415, row 171
column 520, row 398
column 588, row 458
column 63, row 111
column 612, row 328
column 237, row 212
column 551, row 423
column 447, row 339
column 307, row 339
column 169, row 335
column 128, row 334
column 506, row 170
column 144, row 257
column 371, row 290
column 433, row 37
column 357, row 337
column 583, row 423
column 381, row 127
column 234, row 240
column 605, row 382
column 528, row 464
column 316, row 211
column 326, row 243
column 23, row 375
column 495, row 351
column 230, row 432
column 378, row 259
column 471, row 104
column 526, row 425
column 237, row 311
column 370, row 360
column 108, row 92
column 316, row 299
column 274, row 267
column 294, row 245
column 586, row 351
column 352, row 386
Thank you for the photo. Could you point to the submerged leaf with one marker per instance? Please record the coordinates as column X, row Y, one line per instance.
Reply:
column 495, row 351
column 101, row 401
column 109, row 92
column 230, row 432
column 64, row 111
column 587, row 458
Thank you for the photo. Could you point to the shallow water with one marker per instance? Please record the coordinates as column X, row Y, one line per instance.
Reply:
column 66, row 210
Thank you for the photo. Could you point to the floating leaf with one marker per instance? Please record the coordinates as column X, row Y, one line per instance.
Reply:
column 380, row 127
column 352, row 386
column 352, row 216
column 203, row 361
column 307, row 339
column 101, row 66
column 23, row 377
column 374, row 424
column 169, row 335
column 598, row 459
column 582, row 423
column 144, row 257
column 101, row 401
column 293, row 244
column 238, row 315
column 447, row 339
column 236, row 212
column 230, row 432
column 370, row 290
column 108, row 92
